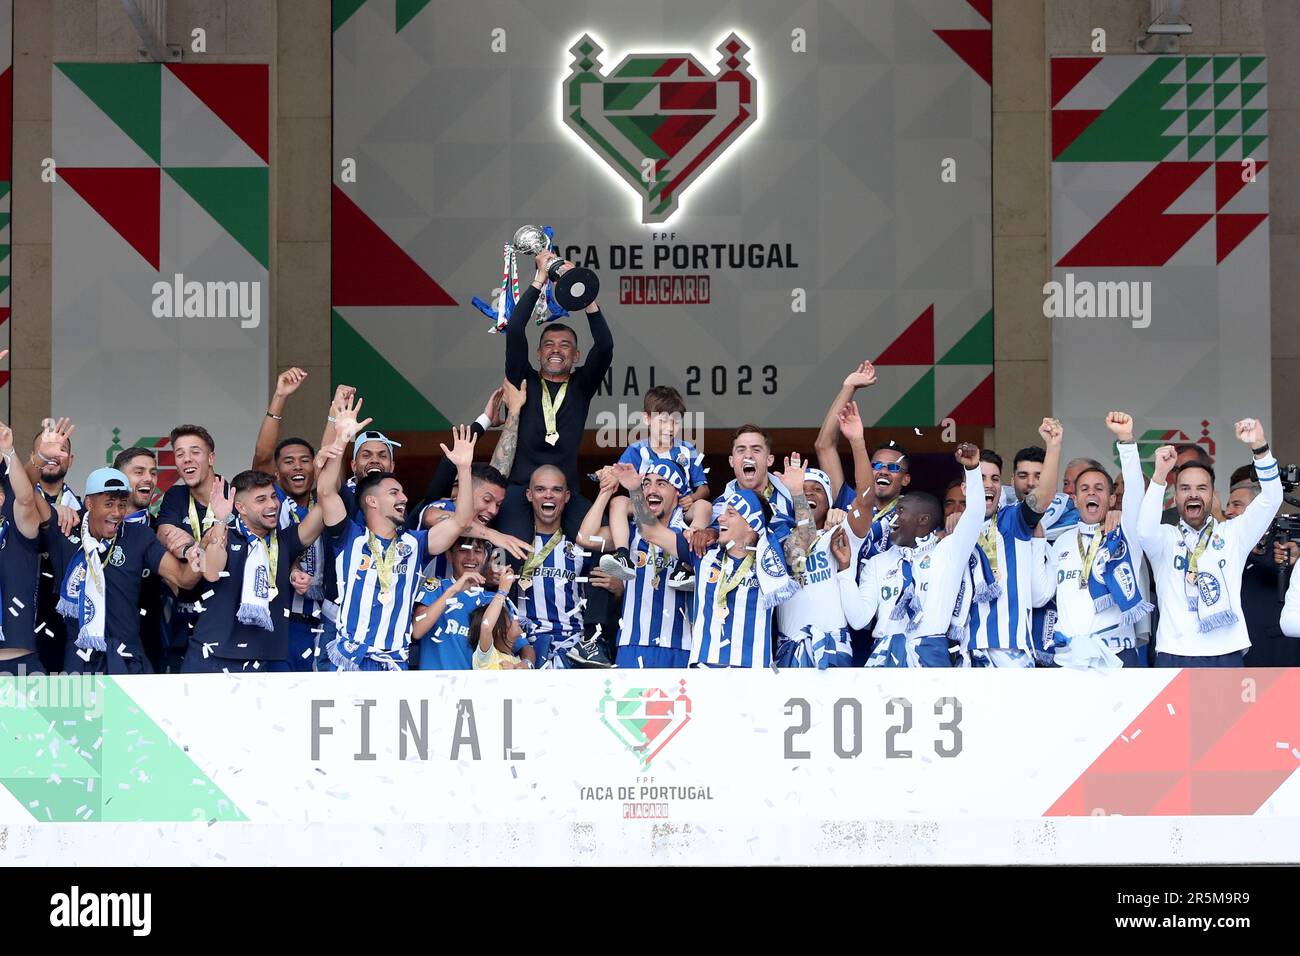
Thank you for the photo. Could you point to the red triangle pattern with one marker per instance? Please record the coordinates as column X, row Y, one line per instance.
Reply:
column 984, row 8
column 915, row 346
column 973, row 46
column 369, row 268
column 237, row 93
column 1230, row 228
column 1228, row 181
column 977, row 407
column 1067, row 125
column 127, row 198
column 1197, row 749
column 1067, row 71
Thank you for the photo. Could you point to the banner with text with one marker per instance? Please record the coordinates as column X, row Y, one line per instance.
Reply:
column 768, row 196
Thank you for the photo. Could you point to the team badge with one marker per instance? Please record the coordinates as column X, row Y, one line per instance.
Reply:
column 261, row 585
column 1217, row 543
column 772, row 563
column 925, row 562
column 659, row 120
column 403, row 550
column 645, row 719
column 1209, row 588
column 116, row 558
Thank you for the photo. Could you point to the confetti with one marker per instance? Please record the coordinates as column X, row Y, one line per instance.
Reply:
column 917, row 430
column 207, row 594
column 1171, row 709
column 1281, row 746
column 1136, row 734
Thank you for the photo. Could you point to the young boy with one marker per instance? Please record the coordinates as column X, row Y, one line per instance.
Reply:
column 664, row 410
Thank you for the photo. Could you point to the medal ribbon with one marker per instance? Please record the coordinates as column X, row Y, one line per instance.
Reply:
column 988, row 543
column 727, row 585
column 385, row 561
column 1089, row 556
column 1201, row 543
column 538, row 557
column 885, row 511
column 272, row 544
column 209, row 519
column 293, row 512
column 551, row 406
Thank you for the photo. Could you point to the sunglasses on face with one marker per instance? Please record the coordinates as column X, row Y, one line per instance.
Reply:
column 893, row 467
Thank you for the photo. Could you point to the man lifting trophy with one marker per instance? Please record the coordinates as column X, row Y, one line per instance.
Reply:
column 575, row 287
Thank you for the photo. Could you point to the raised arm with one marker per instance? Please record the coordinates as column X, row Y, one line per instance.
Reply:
column 503, row 456
column 26, row 514
column 651, row 528
column 828, row 436
column 863, row 510
column 601, row 355
column 800, row 540
column 461, row 454
column 213, row 544
column 1040, row 499
column 859, row 603
column 346, row 427
column 591, row 527
column 1150, row 536
column 1130, row 464
column 1249, row 526
column 269, row 434
column 967, row 531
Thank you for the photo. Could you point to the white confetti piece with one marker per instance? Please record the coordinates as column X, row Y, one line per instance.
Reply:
column 206, row 594
column 1171, row 709
column 1281, row 746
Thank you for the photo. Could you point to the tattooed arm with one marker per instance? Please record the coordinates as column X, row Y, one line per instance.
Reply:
column 503, row 457
column 801, row 538
column 651, row 528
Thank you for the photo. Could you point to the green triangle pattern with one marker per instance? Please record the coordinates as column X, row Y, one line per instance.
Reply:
column 4, row 284
column 237, row 198
column 1221, row 118
column 1194, row 64
column 4, row 219
column 1248, row 66
column 915, row 408
column 1222, row 144
column 4, row 189
column 407, row 11
column 343, row 10
column 1250, row 143
column 130, row 94
column 1249, row 118
column 1195, row 117
column 102, row 760
column 1129, row 129
column 1195, row 91
column 1249, row 91
column 390, row 398
column 1195, row 144
column 1222, row 64
column 975, row 347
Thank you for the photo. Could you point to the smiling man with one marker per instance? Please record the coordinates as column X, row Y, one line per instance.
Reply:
column 101, row 567
column 1198, row 564
column 554, row 413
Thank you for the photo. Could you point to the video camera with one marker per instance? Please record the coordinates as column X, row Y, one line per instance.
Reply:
column 1285, row 528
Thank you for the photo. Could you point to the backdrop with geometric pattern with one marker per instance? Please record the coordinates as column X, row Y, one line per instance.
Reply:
column 816, row 133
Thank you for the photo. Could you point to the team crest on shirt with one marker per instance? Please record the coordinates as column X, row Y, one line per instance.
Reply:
column 772, row 563
column 925, row 562
column 403, row 550
column 116, row 558
column 645, row 719
column 1217, row 543
column 1209, row 588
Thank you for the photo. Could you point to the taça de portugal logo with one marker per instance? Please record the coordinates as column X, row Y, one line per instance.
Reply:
column 659, row 119
column 645, row 719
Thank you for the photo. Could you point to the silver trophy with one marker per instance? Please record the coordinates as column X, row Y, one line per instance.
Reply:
column 575, row 287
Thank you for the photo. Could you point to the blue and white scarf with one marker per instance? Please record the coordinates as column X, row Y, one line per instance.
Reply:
column 312, row 559
column 1210, row 599
column 255, row 597
column 82, row 594
column 1112, row 579
column 909, row 604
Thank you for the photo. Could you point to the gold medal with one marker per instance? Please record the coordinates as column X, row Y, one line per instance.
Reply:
column 386, row 598
column 525, row 583
column 722, row 614
column 275, row 592
column 552, row 437
column 1191, row 578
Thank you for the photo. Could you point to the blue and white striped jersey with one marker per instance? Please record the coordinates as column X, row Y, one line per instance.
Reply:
column 683, row 454
column 363, row 617
column 655, row 615
column 1005, row 622
column 740, row 637
column 553, row 603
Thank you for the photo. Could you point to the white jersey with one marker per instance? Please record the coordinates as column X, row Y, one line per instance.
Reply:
column 817, row 602
column 939, row 574
column 1168, row 546
column 1075, row 613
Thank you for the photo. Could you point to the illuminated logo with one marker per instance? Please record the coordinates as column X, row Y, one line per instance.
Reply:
column 659, row 120
column 645, row 719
